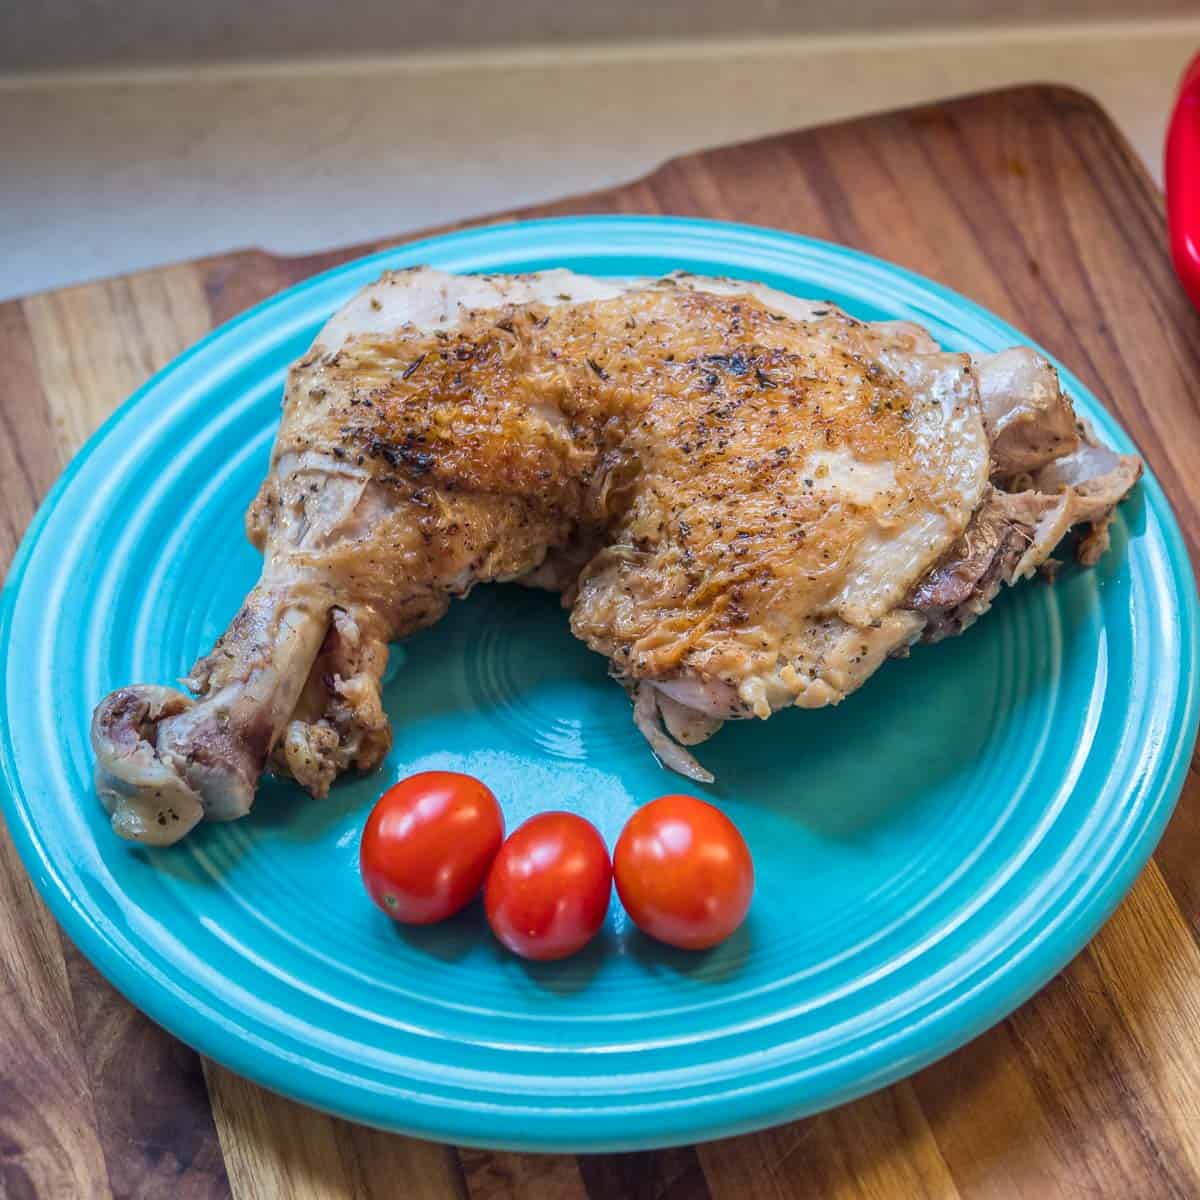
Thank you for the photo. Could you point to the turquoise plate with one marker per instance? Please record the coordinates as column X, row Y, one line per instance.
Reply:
column 928, row 854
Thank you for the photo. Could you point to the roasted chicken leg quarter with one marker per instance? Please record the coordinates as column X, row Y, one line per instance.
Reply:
column 747, row 501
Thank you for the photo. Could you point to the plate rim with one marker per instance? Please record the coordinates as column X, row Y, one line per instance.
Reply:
column 1064, row 943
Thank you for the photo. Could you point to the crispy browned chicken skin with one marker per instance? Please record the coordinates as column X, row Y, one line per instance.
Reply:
column 748, row 501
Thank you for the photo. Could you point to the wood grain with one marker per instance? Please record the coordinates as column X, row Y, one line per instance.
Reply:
column 1029, row 202
column 94, row 345
column 151, row 1110
column 495, row 1175
column 880, row 1147
column 49, row 1144
column 274, row 1147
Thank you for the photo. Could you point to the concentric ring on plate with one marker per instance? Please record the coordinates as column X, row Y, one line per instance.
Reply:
column 928, row 854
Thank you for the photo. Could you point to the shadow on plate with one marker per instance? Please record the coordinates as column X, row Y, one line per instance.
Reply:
column 912, row 728
column 448, row 940
column 718, row 965
column 567, row 976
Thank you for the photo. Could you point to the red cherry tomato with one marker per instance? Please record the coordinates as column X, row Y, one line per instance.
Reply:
column 548, row 890
column 683, row 872
column 428, row 844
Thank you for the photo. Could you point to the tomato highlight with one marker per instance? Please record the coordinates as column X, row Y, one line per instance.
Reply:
column 428, row 845
column 683, row 872
column 548, row 890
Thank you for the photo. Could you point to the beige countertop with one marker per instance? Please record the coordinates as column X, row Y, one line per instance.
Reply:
column 112, row 171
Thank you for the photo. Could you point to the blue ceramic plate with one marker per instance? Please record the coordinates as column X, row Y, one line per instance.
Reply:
column 928, row 854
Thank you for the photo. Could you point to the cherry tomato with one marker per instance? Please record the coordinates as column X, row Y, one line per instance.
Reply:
column 683, row 872
column 428, row 844
column 548, row 890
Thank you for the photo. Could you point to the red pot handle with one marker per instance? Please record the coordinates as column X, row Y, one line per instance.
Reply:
column 1183, row 181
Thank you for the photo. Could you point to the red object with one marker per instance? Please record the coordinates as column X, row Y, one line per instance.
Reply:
column 548, row 890
column 428, row 845
column 1183, row 182
column 683, row 872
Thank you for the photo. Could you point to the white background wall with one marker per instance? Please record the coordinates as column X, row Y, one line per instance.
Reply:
column 44, row 34
column 107, row 168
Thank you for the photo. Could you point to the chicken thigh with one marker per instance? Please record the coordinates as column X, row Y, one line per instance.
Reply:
column 748, row 501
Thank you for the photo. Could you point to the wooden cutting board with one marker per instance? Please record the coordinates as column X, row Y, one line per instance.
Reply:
column 1029, row 202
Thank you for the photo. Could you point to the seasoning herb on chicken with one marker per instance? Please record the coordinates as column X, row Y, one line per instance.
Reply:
column 747, row 501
